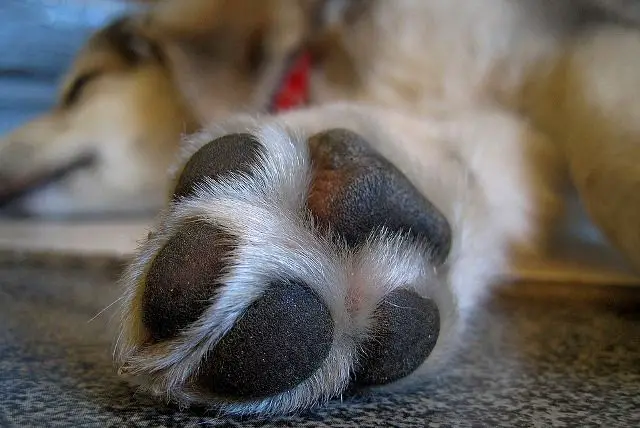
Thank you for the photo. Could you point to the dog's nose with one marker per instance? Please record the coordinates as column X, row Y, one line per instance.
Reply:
column 10, row 189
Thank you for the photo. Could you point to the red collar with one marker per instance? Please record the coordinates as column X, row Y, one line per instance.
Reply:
column 293, row 91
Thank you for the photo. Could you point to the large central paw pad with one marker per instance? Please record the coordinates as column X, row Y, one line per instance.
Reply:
column 243, row 298
column 356, row 191
column 280, row 341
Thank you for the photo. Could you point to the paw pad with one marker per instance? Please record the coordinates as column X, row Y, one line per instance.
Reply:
column 280, row 341
column 183, row 277
column 241, row 317
column 230, row 153
column 407, row 327
column 356, row 190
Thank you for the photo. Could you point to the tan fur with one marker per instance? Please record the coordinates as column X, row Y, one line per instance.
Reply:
column 131, row 117
column 498, row 111
column 573, row 81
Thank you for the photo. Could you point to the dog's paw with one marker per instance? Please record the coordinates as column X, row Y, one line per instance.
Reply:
column 285, row 270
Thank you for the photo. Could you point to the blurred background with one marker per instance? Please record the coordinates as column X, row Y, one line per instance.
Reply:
column 38, row 40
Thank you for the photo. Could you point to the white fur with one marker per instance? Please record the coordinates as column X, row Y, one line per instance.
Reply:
column 278, row 239
column 484, row 106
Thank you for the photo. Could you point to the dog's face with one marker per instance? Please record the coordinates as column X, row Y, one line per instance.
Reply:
column 106, row 144
column 135, row 87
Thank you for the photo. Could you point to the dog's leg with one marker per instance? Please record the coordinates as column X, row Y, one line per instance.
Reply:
column 295, row 259
column 597, row 117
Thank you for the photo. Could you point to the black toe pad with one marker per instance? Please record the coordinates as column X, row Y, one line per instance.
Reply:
column 405, row 333
column 356, row 190
column 182, row 278
column 230, row 153
column 280, row 341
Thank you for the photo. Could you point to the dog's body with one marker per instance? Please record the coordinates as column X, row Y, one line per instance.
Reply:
column 494, row 110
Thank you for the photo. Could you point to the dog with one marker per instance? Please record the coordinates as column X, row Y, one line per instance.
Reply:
column 342, row 245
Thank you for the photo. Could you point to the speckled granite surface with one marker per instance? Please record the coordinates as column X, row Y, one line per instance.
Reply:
column 531, row 359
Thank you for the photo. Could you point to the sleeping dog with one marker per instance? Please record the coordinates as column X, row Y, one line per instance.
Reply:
column 342, row 245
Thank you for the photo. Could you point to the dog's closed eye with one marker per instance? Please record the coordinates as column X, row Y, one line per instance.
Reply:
column 77, row 87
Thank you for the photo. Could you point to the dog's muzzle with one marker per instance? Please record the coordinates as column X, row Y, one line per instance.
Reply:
column 12, row 189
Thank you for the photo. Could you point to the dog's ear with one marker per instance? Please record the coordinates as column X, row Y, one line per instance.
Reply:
column 189, row 21
column 332, row 14
column 332, row 26
column 231, row 52
column 212, row 25
column 125, row 37
column 220, row 51
column 203, row 34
